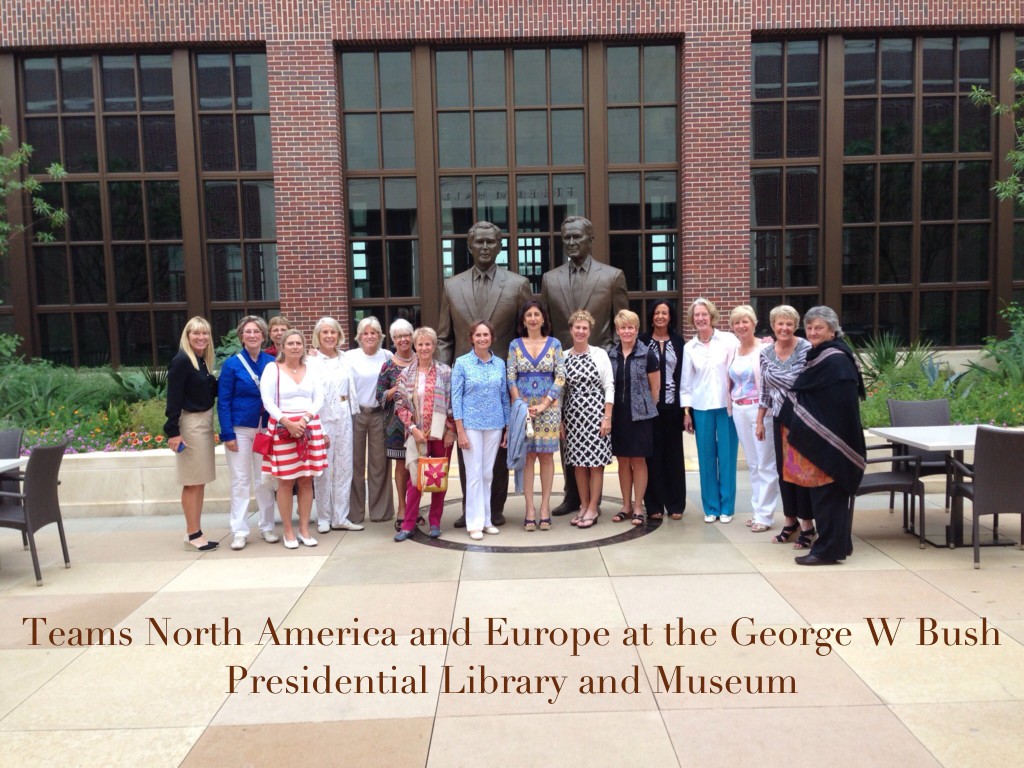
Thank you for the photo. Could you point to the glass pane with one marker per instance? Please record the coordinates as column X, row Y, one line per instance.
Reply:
column 894, row 314
column 130, row 274
column 858, row 317
column 399, row 147
column 859, row 127
column 357, row 80
column 226, row 273
column 84, row 215
column 766, row 260
column 80, row 155
column 897, row 126
column 624, row 201
column 42, row 134
column 802, row 127
column 532, row 214
column 400, row 206
column 453, row 139
column 973, row 191
column 894, row 246
column 623, row 135
column 566, row 76
column 395, row 80
column 456, row 205
column 254, row 143
column 367, row 269
column 452, row 79
column 659, row 73
column 858, row 256
column 488, row 79
column 938, row 64
column 661, row 262
column 40, row 85
column 53, row 194
column 213, row 76
column 168, row 262
column 660, row 132
column 76, row 84
column 531, row 138
column 1018, row 251
column 530, row 81
column 122, row 144
column 660, row 195
column 567, row 197
column 156, row 82
column 361, row 142
column 258, row 220
column 52, row 286
column 93, row 338
column 164, row 207
column 937, row 125
column 364, row 219
column 90, row 276
column 971, row 317
column 492, row 200
column 623, row 75
column 533, row 258
column 119, row 83
column 127, row 213
column 801, row 257
column 896, row 195
column 767, row 66
column 975, row 126
column 897, row 66
column 490, row 132
column 858, row 193
column 765, row 197
column 567, row 137
column 936, row 317
column 803, row 70
column 972, row 252
column 801, row 196
column 251, row 81
column 159, row 146
column 217, row 136
column 403, row 268
column 936, row 191
column 222, row 210
column 937, row 254
column 625, row 254
column 766, row 132
column 136, row 342
column 261, row 275
column 861, row 67
column 55, row 340
column 975, row 64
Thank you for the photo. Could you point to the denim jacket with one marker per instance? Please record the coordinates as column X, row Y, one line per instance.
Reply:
column 641, row 404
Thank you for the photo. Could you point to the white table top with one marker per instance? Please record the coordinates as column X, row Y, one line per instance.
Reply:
column 6, row 464
column 956, row 437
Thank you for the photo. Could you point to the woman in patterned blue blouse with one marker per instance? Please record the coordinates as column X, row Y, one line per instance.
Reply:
column 480, row 405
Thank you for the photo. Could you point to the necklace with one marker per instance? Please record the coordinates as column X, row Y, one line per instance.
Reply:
column 404, row 360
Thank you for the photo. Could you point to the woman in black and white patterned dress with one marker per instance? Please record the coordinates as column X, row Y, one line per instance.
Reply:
column 587, row 416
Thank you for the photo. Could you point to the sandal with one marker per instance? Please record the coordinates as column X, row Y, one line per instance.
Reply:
column 676, row 515
column 638, row 519
column 530, row 525
column 622, row 515
column 787, row 533
column 758, row 527
column 657, row 515
column 576, row 520
column 588, row 522
column 805, row 539
column 545, row 523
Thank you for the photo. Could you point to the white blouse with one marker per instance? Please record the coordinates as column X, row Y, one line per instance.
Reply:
column 306, row 396
column 365, row 372
column 704, row 384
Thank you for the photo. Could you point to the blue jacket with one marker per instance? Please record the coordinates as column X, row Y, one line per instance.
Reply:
column 239, row 403
column 517, row 440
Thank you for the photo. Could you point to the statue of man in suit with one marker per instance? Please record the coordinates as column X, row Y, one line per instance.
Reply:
column 485, row 291
column 581, row 283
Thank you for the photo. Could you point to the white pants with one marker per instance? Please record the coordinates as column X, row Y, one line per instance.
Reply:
column 334, row 486
column 479, row 460
column 764, row 479
column 244, row 470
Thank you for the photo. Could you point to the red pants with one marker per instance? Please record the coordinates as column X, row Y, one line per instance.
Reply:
column 435, row 449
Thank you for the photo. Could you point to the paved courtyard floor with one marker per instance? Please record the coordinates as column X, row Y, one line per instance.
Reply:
column 695, row 645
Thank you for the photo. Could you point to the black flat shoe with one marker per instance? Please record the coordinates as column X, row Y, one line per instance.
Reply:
column 813, row 560
column 565, row 508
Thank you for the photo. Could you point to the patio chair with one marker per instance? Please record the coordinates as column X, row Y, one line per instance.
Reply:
column 902, row 478
column 38, row 505
column 923, row 413
column 994, row 480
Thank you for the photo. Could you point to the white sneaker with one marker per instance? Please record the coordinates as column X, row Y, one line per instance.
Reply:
column 490, row 529
column 347, row 525
column 725, row 519
column 476, row 535
column 239, row 541
column 323, row 527
column 270, row 537
column 709, row 518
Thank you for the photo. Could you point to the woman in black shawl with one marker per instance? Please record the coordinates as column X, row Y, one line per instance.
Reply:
column 825, row 436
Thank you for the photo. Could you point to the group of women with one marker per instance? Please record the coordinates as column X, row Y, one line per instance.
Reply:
column 336, row 420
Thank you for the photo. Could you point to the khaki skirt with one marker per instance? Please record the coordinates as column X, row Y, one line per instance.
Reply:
column 195, row 463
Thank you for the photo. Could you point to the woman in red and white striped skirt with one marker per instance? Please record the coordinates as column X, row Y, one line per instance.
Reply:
column 292, row 395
